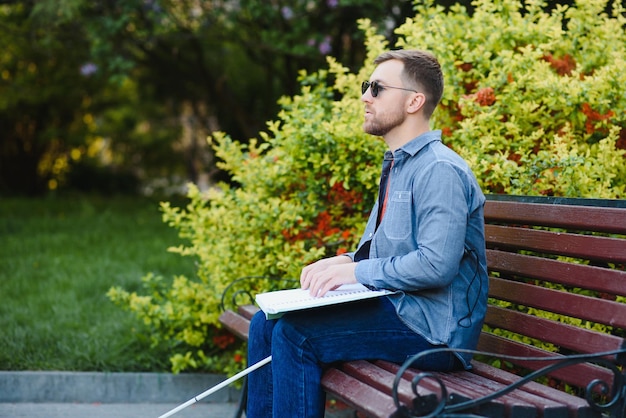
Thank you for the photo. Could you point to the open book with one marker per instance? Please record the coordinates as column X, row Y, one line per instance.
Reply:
column 275, row 304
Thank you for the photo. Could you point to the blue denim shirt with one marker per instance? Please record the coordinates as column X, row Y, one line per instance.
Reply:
column 430, row 245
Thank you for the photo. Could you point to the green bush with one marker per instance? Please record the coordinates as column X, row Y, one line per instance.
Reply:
column 534, row 102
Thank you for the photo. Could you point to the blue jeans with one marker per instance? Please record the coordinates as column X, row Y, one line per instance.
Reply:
column 303, row 343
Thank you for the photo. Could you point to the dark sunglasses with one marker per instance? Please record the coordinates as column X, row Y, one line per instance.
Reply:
column 377, row 88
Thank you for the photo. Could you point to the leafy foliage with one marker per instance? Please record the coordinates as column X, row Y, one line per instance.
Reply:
column 144, row 82
column 34, row 132
column 529, row 103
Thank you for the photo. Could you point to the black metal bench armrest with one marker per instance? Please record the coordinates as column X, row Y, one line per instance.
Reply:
column 614, row 404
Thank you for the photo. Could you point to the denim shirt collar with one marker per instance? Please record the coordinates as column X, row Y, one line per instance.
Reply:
column 416, row 144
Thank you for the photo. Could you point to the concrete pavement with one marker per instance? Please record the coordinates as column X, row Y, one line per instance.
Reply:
column 111, row 395
column 119, row 395
column 95, row 410
column 94, row 387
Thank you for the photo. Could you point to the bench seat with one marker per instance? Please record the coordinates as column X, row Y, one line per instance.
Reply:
column 548, row 259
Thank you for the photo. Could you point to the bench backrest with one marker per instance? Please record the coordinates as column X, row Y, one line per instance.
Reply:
column 557, row 281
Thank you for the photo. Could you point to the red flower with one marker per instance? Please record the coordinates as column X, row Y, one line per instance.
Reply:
column 485, row 96
column 466, row 66
column 224, row 340
column 593, row 117
column 338, row 195
column 563, row 66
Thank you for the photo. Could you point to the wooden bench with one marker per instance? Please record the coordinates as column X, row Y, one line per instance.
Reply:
column 562, row 257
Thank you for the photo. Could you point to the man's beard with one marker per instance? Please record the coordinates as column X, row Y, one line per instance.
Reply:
column 384, row 124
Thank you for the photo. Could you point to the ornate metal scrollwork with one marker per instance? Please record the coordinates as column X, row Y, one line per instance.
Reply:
column 614, row 406
column 423, row 406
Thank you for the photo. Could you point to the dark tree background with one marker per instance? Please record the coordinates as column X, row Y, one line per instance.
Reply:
column 106, row 95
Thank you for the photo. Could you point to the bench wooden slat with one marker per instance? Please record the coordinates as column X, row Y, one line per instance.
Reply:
column 577, row 407
column 382, row 379
column 547, row 408
column 573, row 245
column 518, row 404
column 575, row 305
column 248, row 311
column 514, row 406
column 577, row 275
column 573, row 338
column 577, row 375
column 557, row 400
column 611, row 220
column 463, row 386
column 457, row 392
column 357, row 394
column 235, row 324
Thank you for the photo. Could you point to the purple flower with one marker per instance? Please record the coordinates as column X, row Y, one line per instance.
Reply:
column 324, row 47
column 286, row 12
column 332, row 3
column 88, row 69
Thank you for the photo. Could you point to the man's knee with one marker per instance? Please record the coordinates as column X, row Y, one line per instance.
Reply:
column 260, row 328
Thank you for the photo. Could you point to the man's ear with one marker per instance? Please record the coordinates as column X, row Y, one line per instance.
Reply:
column 416, row 102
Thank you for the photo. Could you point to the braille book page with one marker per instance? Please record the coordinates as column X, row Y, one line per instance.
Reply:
column 275, row 304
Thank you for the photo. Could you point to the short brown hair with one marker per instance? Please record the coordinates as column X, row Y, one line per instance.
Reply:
column 421, row 71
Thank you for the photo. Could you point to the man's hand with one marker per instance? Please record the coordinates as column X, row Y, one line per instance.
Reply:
column 327, row 274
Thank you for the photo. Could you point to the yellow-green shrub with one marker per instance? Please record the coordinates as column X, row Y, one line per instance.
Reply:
column 534, row 101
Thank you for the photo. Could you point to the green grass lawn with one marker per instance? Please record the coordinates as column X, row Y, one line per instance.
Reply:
column 58, row 258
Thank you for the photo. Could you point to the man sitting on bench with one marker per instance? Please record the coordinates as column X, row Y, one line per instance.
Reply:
column 424, row 240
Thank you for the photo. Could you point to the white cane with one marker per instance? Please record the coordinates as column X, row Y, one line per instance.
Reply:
column 218, row 386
